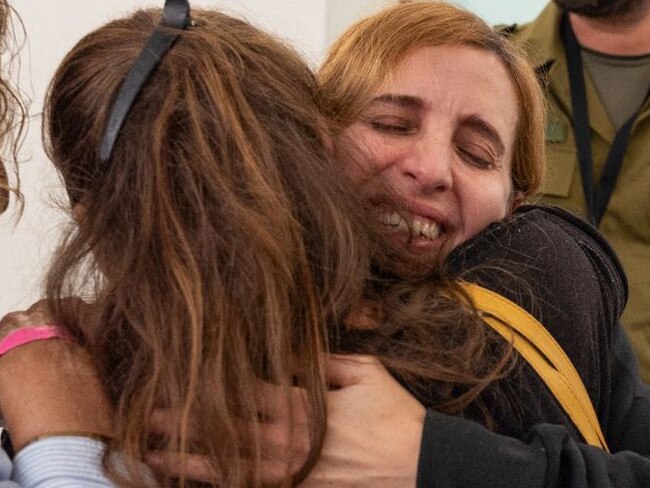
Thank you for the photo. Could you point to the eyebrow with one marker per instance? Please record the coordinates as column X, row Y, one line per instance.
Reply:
column 486, row 129
column 407, row 101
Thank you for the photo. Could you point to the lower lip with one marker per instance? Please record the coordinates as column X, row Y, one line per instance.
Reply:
column 405, row 239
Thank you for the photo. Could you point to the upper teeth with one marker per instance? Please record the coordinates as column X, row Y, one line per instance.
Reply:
column 418, row 226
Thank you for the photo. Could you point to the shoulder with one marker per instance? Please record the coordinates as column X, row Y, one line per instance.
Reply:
column 561, row 270
column 546, row 247
column 517, row 32
column 507, row 30
column 540, row 38
column 551, row 227
column 575, row 236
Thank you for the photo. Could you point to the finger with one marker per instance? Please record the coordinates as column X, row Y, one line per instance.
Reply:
column 278, row 434
column 162, row 420
column 277, row 402
column 194, row 467
column 281, row 442
column 165, row 422
column 273, row 403
column 26, row 318
column 33, row 317
column 39, row 313
column 39, row 307
column 281, row 445
column 197, row 468
column 348, row 370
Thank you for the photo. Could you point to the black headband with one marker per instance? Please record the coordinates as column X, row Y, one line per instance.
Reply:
column 176, row 15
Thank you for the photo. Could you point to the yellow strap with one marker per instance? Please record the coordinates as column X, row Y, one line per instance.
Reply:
column 538, row 347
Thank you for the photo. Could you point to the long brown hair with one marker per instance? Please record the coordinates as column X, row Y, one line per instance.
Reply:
column 222, row 247
column 206, row 230
column 13, row 111
column 361, row 59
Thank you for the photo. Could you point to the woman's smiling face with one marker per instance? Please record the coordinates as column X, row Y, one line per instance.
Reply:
column 432, row 151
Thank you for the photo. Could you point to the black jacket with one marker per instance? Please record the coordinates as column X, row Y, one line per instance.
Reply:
column 560, row 269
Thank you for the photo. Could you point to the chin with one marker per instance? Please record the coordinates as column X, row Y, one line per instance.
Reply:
column 427, row 249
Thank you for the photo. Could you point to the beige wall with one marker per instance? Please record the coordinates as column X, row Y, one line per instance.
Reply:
column 341, row 13
column 504, row 11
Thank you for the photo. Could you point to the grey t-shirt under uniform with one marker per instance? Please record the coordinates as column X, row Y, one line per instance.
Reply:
column 622, row 82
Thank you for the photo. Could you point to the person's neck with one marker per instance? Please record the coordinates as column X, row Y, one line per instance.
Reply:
column 617, row 36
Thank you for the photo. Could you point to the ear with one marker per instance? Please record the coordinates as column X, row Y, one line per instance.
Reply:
column 517, row 199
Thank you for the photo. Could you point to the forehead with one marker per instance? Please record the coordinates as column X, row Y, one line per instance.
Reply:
column 458, row 81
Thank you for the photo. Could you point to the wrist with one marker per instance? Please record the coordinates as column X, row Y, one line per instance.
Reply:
column 51, row 386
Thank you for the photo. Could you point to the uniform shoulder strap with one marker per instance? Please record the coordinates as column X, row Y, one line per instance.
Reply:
column 507, row 30
column 542, row 352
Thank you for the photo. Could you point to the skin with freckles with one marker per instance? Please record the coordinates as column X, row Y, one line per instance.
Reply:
column 439, row 133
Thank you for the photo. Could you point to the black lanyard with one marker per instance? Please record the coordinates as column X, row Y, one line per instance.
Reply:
column 596, row 198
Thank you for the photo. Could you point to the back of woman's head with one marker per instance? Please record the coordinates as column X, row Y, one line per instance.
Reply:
column 361, row 59
column 219, row 237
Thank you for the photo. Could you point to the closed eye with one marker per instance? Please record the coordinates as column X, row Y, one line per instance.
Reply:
column 476, row 159
column 392, row 128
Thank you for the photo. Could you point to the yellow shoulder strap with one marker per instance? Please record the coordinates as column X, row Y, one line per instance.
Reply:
column 538, row 347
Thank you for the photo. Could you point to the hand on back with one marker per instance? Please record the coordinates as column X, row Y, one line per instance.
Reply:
column 373, row 433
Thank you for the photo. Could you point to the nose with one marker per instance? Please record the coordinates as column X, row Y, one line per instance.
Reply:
column 428, row 167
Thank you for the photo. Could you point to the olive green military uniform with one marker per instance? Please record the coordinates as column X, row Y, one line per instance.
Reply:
column 626, row 223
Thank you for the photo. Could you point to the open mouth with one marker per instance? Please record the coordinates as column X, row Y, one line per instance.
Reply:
column 419, row 227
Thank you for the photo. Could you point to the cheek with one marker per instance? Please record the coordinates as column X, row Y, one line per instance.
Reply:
column 363, row 153
column 483, row 204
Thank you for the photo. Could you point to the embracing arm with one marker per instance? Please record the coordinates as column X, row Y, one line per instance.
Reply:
column 379, row 434
column 459, row 453
column 629, row 417
column 454, row 452
column 48, row 391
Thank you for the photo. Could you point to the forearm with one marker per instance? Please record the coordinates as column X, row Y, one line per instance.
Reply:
column 460, row 453
column 49, row 387
column 628, row 427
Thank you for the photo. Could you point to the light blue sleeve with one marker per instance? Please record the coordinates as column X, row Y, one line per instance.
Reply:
column 57, row 462
column 5, row 471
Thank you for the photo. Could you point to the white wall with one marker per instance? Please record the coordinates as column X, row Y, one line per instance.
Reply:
column 504, row 11
column 341, row 13
column 52, row 29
